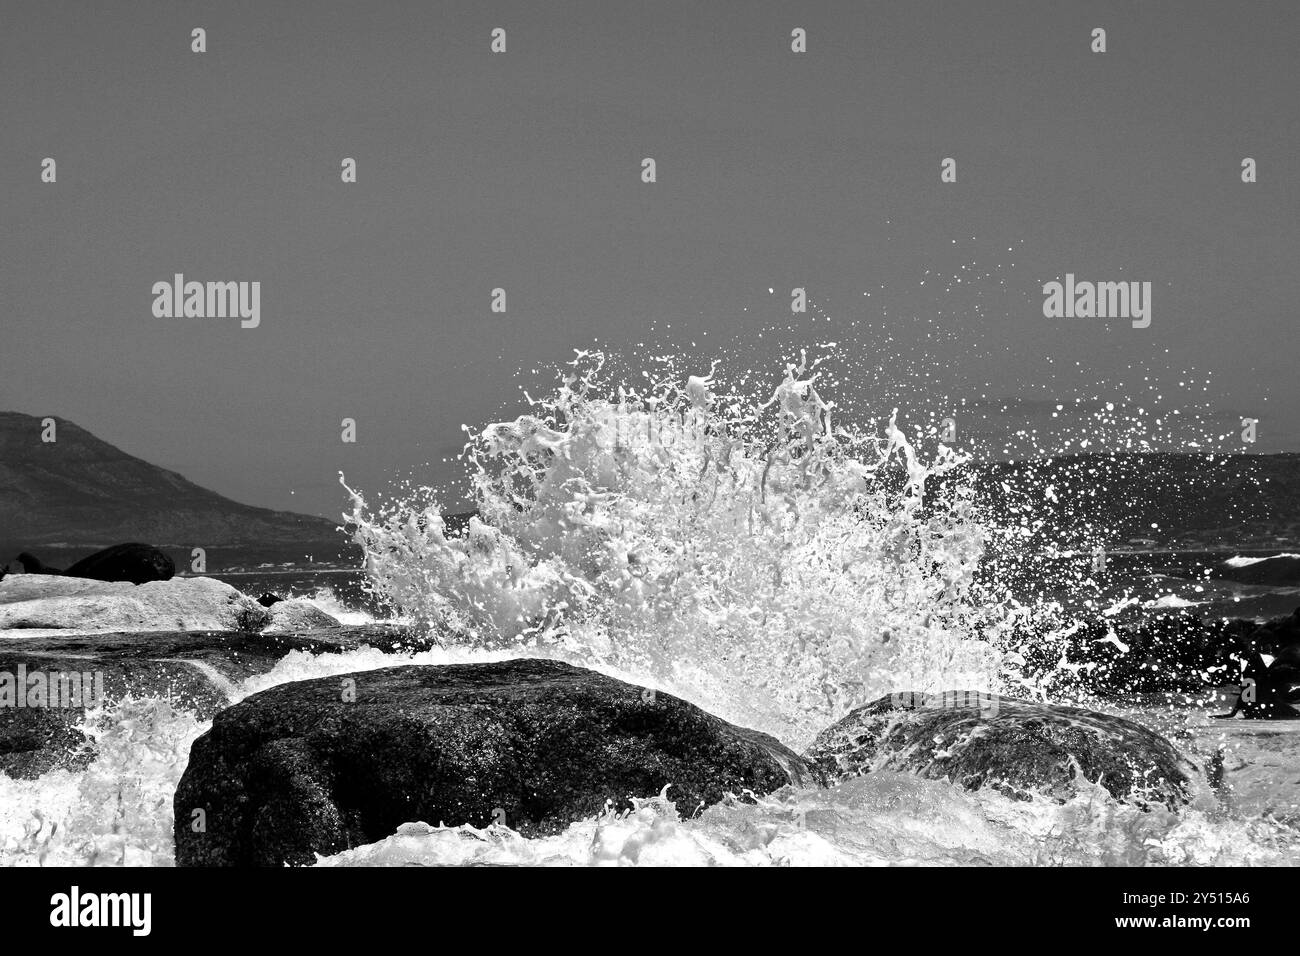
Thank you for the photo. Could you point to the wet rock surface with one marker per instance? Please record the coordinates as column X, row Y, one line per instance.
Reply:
column 195, row 670
column 325, row 765
column 293, row 615
column 979, row 740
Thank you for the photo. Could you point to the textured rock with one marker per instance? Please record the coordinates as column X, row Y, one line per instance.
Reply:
column 299, row 770
column 1269, row 690
column 198, row 671
column 294, row 615
column 181, row 604
column 137, row 563
column 978, row 741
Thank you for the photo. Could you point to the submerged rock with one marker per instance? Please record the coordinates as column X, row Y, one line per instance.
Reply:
column 321, row 766
column 137, row 563
column 980, row 740
column 195, row 671
column 83, row 604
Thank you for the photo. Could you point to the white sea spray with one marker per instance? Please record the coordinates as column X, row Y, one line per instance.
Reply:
column 772, row 565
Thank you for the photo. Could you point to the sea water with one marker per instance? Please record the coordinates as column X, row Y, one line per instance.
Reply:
column 746, row 550
column 118, row 812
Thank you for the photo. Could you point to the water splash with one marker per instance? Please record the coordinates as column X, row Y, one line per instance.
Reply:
column 766, row 561
column 884, row 819
column 119, row 810
column 748, row 547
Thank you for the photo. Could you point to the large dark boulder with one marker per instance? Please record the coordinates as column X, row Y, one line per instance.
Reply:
column 132, row 562
column 1016, row 747
column 311, row 767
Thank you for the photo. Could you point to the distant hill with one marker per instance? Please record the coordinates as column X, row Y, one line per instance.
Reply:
column 82, row 491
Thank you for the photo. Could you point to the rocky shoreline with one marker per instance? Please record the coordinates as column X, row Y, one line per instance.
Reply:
column 324, row 765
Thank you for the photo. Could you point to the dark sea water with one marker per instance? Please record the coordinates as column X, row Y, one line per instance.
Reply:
column 1201, row 582
column 1215, row 584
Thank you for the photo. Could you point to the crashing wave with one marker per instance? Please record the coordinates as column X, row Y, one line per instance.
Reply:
column 764, row 560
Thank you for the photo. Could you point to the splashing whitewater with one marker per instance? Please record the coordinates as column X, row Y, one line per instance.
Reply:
column 755, row 556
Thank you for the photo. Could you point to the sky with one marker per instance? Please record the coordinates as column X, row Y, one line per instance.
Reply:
column 523, row 170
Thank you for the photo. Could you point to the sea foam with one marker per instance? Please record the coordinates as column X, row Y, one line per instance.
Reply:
column 751, row 553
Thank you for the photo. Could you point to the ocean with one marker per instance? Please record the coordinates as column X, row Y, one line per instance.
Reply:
column 777, row 572
column 118, row 811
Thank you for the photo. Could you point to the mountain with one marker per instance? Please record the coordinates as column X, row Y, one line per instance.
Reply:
column 81, row 491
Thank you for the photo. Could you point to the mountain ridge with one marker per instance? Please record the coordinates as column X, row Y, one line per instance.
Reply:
column 81, row 491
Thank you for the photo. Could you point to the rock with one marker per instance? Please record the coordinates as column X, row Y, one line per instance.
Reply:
column 32, row 565
column 1269, row 687
column 1280, row 636
column 197, row 671
column 1135, row 652
column 83, row 604
column 48, row 732
column 136, row 563
column 981, row 740
column 298, row 616
column 31, row 587
column 267, row 599
column 1269, row 690
column 537, row 744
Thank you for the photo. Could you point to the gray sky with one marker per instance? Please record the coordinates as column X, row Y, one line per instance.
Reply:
column 522, row 171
